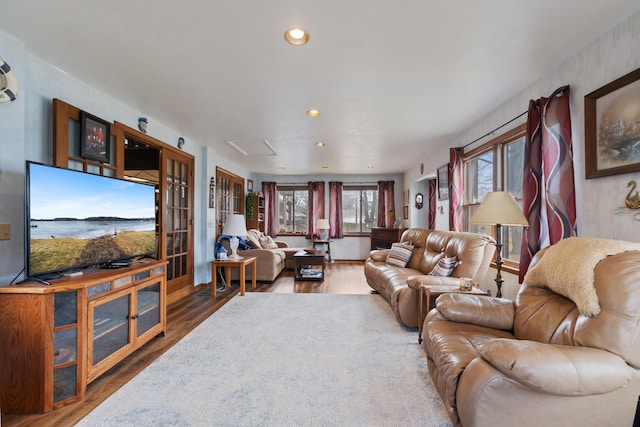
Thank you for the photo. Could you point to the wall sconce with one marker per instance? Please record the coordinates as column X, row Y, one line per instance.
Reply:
column 180, row 142
column 212, row 193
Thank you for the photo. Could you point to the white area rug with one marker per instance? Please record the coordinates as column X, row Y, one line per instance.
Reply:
column 285, row 360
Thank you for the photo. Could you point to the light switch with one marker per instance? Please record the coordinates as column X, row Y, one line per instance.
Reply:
column 5, row 231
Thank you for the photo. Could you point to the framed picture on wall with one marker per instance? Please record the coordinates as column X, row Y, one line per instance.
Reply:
column 250, row 185
column 443, row 182
column 94, row 138
column 405, row 212
column 612, row 127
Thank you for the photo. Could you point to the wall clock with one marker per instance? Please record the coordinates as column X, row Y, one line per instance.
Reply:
column 8, row 83
column 419, row 200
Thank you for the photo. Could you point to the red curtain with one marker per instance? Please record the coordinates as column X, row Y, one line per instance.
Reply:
column 548, row 189
column 335, row 210
column 456, row 188
column 316, row 207
column 386, row 203
column 433, row 197
column 271, row 208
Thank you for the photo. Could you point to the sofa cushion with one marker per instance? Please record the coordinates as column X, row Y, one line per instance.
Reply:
column 253, row 238
column 445, row 267
column 267, row 242
column 399, row 254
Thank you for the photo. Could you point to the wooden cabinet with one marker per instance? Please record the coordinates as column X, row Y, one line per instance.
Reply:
column 57, row 339
column 383, row 238
column 255, row 219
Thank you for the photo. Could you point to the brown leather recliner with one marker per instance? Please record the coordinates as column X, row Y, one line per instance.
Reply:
column 537, row 361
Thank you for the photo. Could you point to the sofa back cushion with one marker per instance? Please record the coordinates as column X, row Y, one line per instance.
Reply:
column 253, row 237
column 544, row 316
column 474, row 252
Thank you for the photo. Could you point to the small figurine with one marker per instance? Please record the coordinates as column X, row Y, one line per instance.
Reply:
column 142, row 124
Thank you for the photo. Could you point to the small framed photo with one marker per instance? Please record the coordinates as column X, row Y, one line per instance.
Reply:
column 443, row 182
column 405, row 212
column 94, row 138
column 250, row 185
column 612, row 127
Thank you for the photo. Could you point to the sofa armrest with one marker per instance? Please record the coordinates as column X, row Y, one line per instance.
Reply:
column 415, row 282
column 496, row 313
column 379, row 254
column 281, row 244
column 557, row 369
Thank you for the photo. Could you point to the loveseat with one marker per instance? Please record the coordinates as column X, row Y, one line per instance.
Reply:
column 271, row 256
column 566, row 352
column 399, row 286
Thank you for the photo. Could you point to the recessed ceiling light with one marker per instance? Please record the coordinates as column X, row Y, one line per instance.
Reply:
column 370, row 167
column 320, row 144
column 325, row 167
column 313, row 113
column 296, row 36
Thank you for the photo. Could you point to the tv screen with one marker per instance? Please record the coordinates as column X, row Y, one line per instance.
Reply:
column 77, row 219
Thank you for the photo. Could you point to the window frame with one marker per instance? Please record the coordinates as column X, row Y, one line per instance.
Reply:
column 360, row 188
column 498, row 147
column 295, row 188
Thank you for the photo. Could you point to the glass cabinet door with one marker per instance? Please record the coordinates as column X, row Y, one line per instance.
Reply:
column 65, row 346
column 110, row 327
column 148, row 308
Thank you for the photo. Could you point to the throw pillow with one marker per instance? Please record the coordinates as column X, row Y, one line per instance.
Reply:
column 445, row 267
column 399, row 254
column 267, row 242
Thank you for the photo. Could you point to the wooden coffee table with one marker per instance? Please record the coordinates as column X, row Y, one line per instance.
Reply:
column 429, row 294
column 305, row 263
column 242, row 263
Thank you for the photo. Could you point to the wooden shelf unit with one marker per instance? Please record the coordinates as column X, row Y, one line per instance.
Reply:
column 57, row 339
column 383, row 238
column 256, row 221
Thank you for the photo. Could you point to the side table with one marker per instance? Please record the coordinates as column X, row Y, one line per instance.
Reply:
column 428, row 296
column 324, row 242
column 242, row 263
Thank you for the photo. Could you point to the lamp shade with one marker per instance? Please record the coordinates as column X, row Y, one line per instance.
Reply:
column 499, row 207
column 322, row 224
column 235, row 226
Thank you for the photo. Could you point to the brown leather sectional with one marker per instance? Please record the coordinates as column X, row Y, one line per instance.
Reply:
column 400, row 286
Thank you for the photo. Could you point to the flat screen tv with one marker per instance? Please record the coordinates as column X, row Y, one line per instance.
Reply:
column 77, row 219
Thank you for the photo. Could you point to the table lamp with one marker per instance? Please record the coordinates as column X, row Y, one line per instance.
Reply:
column 499, row 208
column 234, row 226
column 323, row 229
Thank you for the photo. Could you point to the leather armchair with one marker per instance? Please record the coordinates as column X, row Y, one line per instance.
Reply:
column 537, row 361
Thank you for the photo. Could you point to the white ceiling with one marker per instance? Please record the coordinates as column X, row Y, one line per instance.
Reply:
column 391, row 78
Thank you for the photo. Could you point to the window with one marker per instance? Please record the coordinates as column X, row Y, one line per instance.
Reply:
column 496, row 166
column 359, row 208
column 292, row 209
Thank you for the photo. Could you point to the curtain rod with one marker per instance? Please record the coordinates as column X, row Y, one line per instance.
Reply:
column 499, row 127
column 343, row 182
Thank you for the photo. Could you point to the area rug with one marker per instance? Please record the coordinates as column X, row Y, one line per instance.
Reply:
column 285, row 360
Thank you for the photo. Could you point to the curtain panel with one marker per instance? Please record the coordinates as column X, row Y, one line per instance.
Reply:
column 315, row 208
column 335, row 210
column 548, row 188
column 433, row 197
column 456, row 188
column 386, row 204
column 269, row 189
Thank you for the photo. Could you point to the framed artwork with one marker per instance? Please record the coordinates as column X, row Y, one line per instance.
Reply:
column 419, row 201
column 250, row 185
column 443, row 182
column 405, row 212
column 612, row 127
column 94, row 138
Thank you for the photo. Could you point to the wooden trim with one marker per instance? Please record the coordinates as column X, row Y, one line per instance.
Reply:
column 505, row 138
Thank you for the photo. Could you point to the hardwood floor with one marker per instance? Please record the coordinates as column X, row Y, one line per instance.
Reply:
column 182, row 317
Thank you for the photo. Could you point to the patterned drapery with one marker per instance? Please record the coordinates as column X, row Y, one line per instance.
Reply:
column 433, row 197
column 386, row 203
column 269, row 189
column 456, row 188
column 548, row 190
column 316, row 208
column 335, row 210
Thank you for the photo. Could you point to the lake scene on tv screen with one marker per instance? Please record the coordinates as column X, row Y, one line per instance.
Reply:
column 81, row 219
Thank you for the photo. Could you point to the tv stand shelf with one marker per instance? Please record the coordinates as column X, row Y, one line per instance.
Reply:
column 56, row 339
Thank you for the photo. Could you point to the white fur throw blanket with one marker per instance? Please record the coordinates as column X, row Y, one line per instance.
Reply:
column 567, row 268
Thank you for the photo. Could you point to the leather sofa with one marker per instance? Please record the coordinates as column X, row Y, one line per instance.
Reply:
column 538, row 361
column 400, row 286
column 271, row 258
